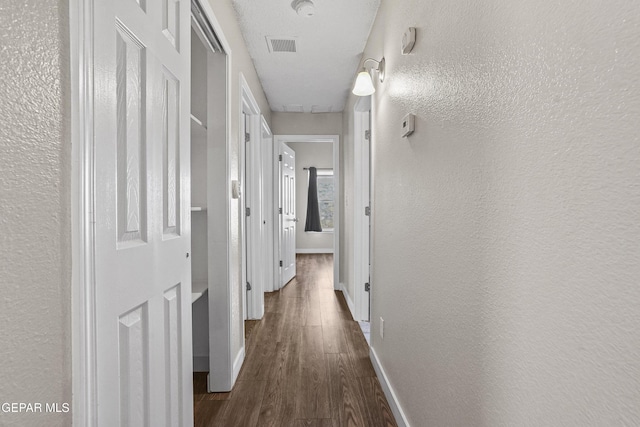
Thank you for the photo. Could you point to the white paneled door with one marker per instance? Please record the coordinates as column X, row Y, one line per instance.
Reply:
column 143, row 289
column 288, row 218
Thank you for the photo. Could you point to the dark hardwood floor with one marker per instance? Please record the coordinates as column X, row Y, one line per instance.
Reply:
column 307, row 363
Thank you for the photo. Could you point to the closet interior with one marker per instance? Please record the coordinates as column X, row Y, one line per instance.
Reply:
column 210, row 206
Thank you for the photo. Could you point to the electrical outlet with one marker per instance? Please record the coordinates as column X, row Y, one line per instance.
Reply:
column 381, row 328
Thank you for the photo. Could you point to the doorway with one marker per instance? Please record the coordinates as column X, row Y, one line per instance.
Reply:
column 282, row 250
column 362, row 212
column 211, row 205
column 252, row 203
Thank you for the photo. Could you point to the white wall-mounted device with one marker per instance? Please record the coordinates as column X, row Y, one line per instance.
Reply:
column 408, row 125
column 408, row 40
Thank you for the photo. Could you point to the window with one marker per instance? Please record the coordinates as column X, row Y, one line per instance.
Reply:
column 325, row 198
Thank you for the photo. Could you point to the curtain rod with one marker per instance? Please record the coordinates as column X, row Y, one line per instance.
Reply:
column 320, row 169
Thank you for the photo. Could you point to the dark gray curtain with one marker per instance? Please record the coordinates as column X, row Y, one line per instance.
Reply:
column 313, row 212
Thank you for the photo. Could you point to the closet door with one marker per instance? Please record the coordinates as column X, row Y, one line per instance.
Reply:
column 143, row 283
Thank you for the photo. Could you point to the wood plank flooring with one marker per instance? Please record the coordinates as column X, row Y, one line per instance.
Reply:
column 307, row 363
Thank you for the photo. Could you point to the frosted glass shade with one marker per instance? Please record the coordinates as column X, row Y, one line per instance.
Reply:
column 364, row 84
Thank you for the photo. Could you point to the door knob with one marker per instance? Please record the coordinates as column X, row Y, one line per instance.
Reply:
column 295, row 219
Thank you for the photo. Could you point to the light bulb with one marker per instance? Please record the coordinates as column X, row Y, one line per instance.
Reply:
column 364, row 84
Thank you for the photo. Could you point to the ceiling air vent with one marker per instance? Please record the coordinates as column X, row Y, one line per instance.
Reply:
column 281, row 44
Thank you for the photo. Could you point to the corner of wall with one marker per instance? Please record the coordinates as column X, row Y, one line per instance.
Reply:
column 349, row 300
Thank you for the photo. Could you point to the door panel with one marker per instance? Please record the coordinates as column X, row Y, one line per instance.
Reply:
column 143, row 283
column 288, row 218
column 362, row 214
column 248, row 194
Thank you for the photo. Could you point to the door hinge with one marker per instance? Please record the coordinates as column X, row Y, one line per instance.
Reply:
column 248, row 286
column 280, row 157
column 280, row 263
column 367, row 287
column 247, row 137
column 279, row 210
column 367, row 135
column 367, row 210
column 248, row 211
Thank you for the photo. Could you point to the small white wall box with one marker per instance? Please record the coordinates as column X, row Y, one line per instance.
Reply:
column 408, row 125
column 408, row 40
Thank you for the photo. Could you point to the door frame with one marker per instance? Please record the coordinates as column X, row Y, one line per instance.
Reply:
column 361, row 230
column 224, row 365
column 268, row 207
column 335, row 140
column 83, row 239
column 83, row 286
column 253, row 300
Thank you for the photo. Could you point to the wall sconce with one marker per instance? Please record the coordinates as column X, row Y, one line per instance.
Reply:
column 364, row 84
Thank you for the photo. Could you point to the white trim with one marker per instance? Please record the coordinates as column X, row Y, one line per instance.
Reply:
column 237, row 363
column 217, row 28
column 83, row 304
column 314, row 251
column 361, row 229
column 335, row 139
column 267, row 208
column 255, row 298
column 275, row 225
column 324, row 172
column 347, row 298
column 398, row 413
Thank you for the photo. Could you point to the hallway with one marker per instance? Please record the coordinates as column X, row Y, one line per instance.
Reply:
column 307, row 363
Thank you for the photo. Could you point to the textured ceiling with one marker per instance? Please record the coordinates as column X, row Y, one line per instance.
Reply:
column 329, row 45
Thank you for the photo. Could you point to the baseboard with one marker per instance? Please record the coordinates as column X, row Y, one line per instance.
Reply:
column 398, row 413
column 315, row 251
column 237, row 364
column 347, row 297
column 200, row 363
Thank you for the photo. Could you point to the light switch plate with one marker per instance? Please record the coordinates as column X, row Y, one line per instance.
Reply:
column 408, row 125
column 408, row 40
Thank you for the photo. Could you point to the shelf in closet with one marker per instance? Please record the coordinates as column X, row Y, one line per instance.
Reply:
column 198, row 129
column 197, row 290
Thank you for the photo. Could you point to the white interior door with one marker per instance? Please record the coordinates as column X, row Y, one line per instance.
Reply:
column 288, row 220
column 366, row 176
column 268, row 254
column 248, row 193
column 142, row 208
column 362, row 214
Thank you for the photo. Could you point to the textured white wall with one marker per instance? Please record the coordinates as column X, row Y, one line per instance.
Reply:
column 320, row 155
column 35, row 182
column 506, row 258
column 306, row 123
column 241, row 63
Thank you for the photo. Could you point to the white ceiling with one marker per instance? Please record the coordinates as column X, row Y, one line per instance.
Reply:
column 329, row 45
